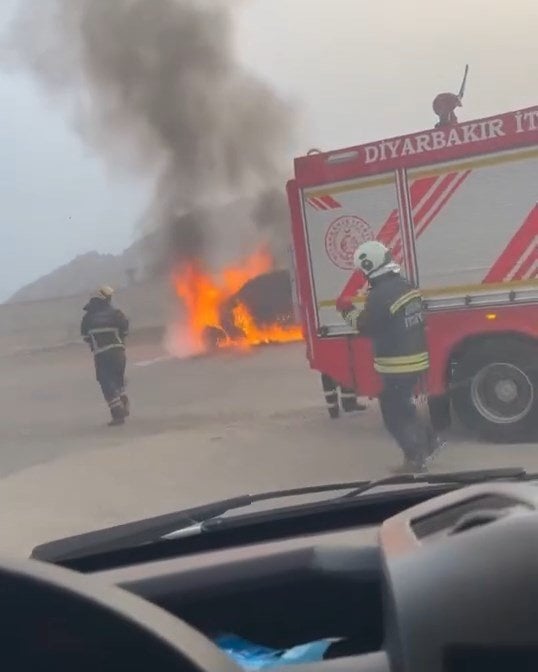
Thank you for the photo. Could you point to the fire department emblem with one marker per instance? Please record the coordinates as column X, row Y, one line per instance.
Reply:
column 343, row 237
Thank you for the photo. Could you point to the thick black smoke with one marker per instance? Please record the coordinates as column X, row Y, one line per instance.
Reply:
column 271, row 216
column 154, row 86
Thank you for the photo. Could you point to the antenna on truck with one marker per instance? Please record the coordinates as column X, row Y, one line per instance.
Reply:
column 463, row 83
column 444, row 104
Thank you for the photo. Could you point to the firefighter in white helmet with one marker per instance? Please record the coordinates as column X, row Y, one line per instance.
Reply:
column 393, row 318
column 105, row 328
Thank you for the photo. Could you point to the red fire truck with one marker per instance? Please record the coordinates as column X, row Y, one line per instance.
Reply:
column 458, row 207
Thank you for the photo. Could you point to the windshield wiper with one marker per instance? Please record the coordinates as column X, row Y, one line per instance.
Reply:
column 208, row 518
column 169, row 525
column 456, row 477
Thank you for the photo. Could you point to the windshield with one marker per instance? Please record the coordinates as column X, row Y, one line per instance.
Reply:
column 248, row 247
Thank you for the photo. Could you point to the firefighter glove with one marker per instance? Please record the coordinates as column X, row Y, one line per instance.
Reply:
column 351, row 317
column 344, row 304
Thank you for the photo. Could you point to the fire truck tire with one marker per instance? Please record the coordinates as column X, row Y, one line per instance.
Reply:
column 330, row 390
column 495, row 390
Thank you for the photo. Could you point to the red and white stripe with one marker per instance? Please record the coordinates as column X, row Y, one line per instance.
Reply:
column 427, row 197
column 326, row 202
column 519, row 259
column 526, row 267
column 532, row 273
column 405, row 234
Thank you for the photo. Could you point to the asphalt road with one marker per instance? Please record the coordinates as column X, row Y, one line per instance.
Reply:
column 200, row 429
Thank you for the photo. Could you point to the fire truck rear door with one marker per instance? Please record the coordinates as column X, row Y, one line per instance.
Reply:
column 338, row 217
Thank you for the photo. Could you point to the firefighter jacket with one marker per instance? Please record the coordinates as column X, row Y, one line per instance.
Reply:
column 393, row 318
column 103, row 327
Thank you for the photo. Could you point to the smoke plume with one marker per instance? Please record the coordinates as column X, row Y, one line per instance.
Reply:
column 155, row 88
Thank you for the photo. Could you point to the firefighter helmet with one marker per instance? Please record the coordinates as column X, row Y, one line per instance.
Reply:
column 374, row 259
column 104, row 293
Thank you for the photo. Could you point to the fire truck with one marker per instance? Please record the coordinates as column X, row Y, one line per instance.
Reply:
column 458, row 207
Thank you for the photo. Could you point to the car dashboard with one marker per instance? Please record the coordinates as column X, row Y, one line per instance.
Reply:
column 449, row 584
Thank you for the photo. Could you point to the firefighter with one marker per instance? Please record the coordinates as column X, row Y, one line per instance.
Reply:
column 105, row 328
column 392, row 317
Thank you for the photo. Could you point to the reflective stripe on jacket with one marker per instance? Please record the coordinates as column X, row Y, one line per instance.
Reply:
column 103, row 339
column 393, row 318
column 103, row 327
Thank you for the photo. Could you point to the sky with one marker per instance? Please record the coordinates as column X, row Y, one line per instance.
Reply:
column 355, row 70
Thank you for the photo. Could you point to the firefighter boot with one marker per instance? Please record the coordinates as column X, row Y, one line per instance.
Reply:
column 414, row 465
column 435, row 445
column 118, row 413
column 351, row 404
column 410, row 466
column 126, row 404
column 412, row 441
column 117, row 420
column 348, row 398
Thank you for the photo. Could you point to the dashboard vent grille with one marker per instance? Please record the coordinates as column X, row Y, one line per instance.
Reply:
column 465, row 515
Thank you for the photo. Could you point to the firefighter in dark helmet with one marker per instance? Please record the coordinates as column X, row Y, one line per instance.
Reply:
column 104, row 328
column 392, row 317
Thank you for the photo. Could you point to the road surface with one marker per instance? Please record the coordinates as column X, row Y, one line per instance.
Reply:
column 201, row 429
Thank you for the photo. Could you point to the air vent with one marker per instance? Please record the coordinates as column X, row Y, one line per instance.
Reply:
column 478, row 519
column 466, row 515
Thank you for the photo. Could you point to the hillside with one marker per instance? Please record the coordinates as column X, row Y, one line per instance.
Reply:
column 225, row 234
column 86, row 272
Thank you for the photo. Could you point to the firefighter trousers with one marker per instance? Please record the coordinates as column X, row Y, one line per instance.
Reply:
column 400, row 415
column 110, row 372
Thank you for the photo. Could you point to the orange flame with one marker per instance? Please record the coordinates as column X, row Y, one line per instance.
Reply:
column 203, row 296
column 254, row 335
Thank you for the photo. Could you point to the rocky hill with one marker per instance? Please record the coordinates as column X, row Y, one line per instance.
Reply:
column 86, row 272
column 225, row 233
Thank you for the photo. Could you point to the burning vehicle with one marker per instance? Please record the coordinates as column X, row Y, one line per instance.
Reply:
column 260, row 312
column 244, row 305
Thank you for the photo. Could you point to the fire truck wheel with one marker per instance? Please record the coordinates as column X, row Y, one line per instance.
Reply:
column 496, row 390
column 330, row 390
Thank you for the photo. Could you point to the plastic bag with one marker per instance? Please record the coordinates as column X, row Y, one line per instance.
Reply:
column 251, row 656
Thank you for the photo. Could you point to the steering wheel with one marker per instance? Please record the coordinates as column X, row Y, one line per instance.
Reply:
column 53, row 618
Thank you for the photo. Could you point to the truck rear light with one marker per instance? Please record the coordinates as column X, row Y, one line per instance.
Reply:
column 491, row 316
